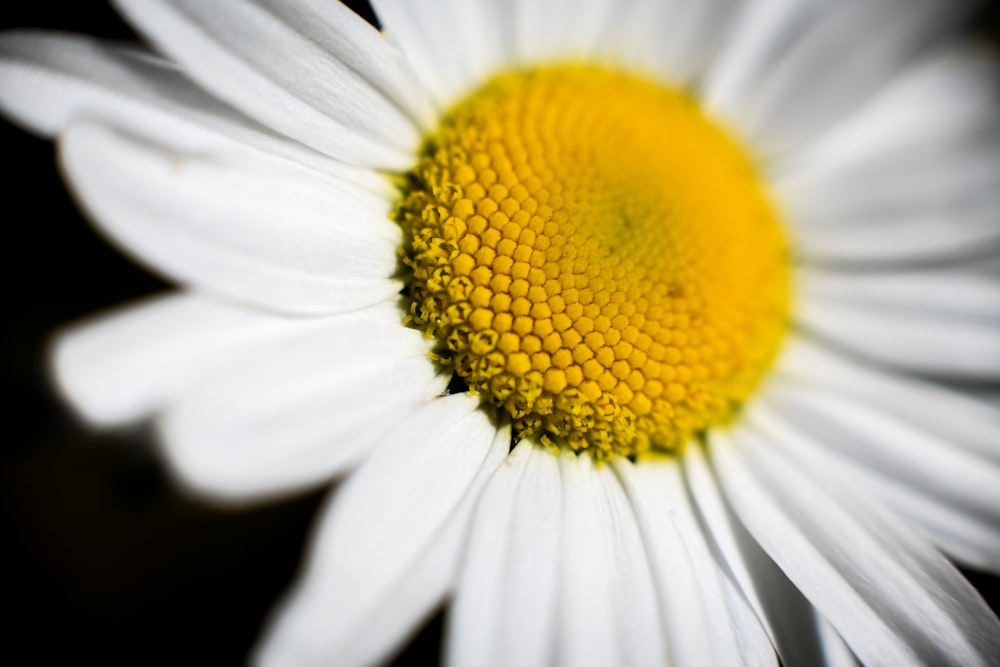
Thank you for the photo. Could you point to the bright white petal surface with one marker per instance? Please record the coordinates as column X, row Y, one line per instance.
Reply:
column 762, row 30
column 707, row 621
column 949, row 294
column 453, row 45
column 950, row 493
column 608, row 612
column 122, row 366
column 258, row 230
column 956, row 89
column 505, row 607
column 302, row 413
column 932, row 202
column 387, row 549
column 787, row 617
column 544, row 32
column 859, row 46
column 47, row 81
column 893, row 598
column 915, row 341
column 312, row 70
column 962, row 420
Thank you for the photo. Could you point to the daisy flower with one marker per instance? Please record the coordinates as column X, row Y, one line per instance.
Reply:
column 642, row 332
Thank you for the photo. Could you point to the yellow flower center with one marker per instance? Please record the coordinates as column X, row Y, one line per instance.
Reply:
column 596, row 258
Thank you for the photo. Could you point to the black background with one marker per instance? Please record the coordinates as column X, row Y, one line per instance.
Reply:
column 103, row 559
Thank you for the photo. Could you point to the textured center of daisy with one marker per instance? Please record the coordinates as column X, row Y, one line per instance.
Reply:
column 596, row 258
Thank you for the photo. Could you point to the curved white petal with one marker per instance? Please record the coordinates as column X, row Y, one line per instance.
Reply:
column 312, row 70
column 561, row 30
column 892, row 597
column 258, row 230
column 302, row 413
column 47, row 81
column 953, row 495
column 608, row 613
column 504, row 612
column 707, row 621
column 122, row 366
column 672, row 39
column 951, row 294
column 453, row 45
column 786, row 616
column 859, row 47
column 835, row 652
column 939, row 178
column 762, row 30
column 962, row 420
column 387, row 549
column 956, row 90
column 919, row 342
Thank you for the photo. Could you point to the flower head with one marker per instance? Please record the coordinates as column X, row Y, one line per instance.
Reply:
column 632, row 325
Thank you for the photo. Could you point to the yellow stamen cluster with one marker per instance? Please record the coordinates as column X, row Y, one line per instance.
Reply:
column 596, row 258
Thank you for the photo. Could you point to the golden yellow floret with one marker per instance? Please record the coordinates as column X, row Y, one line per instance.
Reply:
column 596, row 258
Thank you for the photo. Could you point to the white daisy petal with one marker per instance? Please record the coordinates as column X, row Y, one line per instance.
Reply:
column 504, row 611
column 673, row 40
column 952, row 295
column 608, row 611
column 914, row 609
column 786, row 616
column 560, row 30
column 388, row 548
column 970, row 539
column 325, row 79
column 258, row 230
column 49, row 80
column 301, row 414
column 707, row 620
column 939, row 178
column 960, row 419
column 956, row 89
column 858, row 46
column 453, row 45
column 835, row 652
column 945, row 235
column 762, row 30
column 952, row 494
column 122, row 366
column 922, row 342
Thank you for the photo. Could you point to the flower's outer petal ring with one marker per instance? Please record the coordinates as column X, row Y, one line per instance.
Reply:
column 543, row 32
column 787, row 617
column 453, row 45
column 762, row 30
column 608, row 613
column 956, row 89
column 504, row 611
column 961, row 419
column 932, row 202
column 707, row 620
column 948, row 294
column 253, row 228
column 122, row 366
column 949, row 493
column 859, row 46
column 388, row 547
column 47, row 81
column 920, row 342
column 304, row 412
column 326, row 78
column 672, row 39
column 892, row 596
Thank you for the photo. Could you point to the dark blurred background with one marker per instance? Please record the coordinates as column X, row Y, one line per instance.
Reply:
column 104, row 559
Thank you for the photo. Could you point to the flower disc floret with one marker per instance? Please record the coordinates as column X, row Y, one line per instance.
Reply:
column 596, row 258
